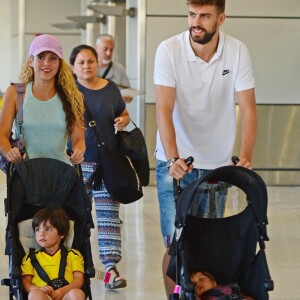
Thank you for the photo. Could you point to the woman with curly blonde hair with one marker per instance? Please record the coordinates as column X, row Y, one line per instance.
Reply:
column 52, row 106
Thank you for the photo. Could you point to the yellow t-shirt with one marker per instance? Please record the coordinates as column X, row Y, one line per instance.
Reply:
column 50, row 264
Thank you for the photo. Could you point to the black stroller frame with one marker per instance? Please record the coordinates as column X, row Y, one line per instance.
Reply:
column 225, row 247
column 43, row 182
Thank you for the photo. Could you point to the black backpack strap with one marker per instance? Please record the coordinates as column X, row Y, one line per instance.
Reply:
column 35, row 263
column 63, row 262
column 62, row 266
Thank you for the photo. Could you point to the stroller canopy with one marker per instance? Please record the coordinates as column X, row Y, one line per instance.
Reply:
column 245, row 179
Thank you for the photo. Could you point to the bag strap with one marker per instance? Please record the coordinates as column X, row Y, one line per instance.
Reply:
column 20, row 88
column 92, row 124
column 41, row 272
column 107, row 70
column 133, row 123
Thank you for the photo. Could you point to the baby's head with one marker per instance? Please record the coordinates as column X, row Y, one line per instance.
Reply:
column 57, row 218
column 203, row 282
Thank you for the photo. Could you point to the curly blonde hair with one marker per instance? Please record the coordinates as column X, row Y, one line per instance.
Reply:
column 71, row 98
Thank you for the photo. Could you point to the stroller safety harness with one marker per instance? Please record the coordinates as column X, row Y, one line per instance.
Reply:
column 58, row 282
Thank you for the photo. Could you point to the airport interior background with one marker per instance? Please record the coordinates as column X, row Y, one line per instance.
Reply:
column 270, row 29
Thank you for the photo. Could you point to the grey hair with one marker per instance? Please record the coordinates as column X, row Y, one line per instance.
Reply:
column 104, row 36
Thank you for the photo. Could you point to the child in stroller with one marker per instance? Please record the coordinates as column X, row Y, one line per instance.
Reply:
column 206, row 288
column 231, row 248
column 40, row 267
column 32, row 185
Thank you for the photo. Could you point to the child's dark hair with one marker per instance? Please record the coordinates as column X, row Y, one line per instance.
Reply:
column 220, row 4
column 57, row 218
column 193, row 272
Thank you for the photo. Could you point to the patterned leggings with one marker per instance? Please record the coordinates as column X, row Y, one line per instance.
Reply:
column 108, row 221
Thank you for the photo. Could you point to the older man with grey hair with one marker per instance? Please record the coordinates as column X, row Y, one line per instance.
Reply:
column 108, row 69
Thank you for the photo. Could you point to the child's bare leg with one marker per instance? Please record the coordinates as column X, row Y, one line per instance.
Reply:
column 38, row 294
column 74, row 294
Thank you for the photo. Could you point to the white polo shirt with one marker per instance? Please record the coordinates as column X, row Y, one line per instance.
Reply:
column 204, row 112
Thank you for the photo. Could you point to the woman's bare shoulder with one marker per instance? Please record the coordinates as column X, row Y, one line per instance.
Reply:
column 10, row 94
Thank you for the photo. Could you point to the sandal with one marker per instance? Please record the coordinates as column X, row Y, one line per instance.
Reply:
column 117, row 282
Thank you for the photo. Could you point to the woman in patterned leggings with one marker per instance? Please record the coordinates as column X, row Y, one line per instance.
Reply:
column 107, row 109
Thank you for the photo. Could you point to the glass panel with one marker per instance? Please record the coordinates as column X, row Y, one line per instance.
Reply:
column 217, row 200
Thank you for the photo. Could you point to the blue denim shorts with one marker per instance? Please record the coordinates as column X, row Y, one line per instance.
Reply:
column 166, row 197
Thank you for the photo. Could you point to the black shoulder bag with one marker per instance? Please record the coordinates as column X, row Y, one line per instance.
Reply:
column 132, row 143
column 117, row 171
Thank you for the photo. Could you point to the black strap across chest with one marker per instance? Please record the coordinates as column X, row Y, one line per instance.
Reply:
column 43, row 275
column 107, row 70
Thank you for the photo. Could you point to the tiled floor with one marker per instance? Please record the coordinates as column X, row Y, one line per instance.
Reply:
column 143, row 248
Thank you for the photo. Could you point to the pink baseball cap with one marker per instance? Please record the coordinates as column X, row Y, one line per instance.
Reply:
column 45, row 42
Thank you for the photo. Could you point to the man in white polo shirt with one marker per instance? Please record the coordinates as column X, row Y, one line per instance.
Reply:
column 198, row 74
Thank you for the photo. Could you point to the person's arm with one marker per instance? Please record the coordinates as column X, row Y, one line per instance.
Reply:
column 125, row 82
column 77, row 283
column 77, row 139
column 78, row 143
column 127, row 99
column 7, row 115
column 165, row 102
column 28, row 286
column 122, row 120
column 27, row 283
column 247, row 105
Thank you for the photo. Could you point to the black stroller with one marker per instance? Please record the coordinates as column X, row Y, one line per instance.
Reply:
column 231, row 248
column 32, row 185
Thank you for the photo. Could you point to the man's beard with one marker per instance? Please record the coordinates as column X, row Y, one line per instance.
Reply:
column 105, row 61
column 207, row 35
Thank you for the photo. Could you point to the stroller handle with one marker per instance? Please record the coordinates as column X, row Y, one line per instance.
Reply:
column 78, row 166
column 189, row 160
column 69, row 152
column 235, row 160
column 176, row 183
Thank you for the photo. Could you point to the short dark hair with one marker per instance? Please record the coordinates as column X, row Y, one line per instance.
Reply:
column 220, row 4
column 78, row 49
column 194, row 272
column 57, row 218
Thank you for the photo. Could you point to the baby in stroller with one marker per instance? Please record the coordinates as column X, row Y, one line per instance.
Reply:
column 41, row 267
column 206, row 288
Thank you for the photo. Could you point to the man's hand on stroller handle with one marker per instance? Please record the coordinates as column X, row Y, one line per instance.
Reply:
column 180, row 167
column 241, row 162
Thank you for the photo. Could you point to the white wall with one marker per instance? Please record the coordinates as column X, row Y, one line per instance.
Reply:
column 273, row 42
column 21, row 20
column 269, row 28
column 5, row 33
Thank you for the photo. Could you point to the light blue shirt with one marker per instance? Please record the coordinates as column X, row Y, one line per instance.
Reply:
column 44, row 127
